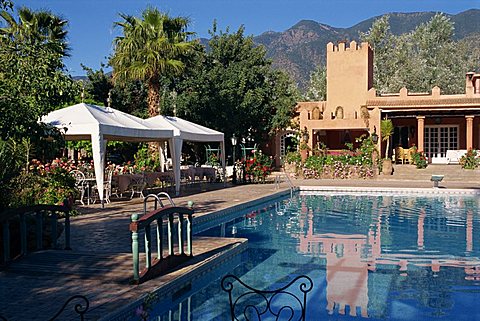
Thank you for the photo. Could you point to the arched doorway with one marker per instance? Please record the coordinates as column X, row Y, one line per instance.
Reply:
column 288, row 142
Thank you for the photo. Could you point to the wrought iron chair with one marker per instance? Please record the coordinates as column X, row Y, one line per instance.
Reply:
column 286, row 303
column 137, row 185
column 80, row 183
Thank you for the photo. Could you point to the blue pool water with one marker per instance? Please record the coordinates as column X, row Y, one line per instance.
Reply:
column 375, row 257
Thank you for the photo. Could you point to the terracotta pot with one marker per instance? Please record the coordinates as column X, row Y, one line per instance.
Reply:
column 304, row 155
column 387, row 167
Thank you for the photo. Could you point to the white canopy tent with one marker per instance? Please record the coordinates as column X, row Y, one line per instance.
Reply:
column 186, row 130
column 101, row 124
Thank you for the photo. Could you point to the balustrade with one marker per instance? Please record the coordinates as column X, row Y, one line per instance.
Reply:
column 19, row 223
column 171, row 214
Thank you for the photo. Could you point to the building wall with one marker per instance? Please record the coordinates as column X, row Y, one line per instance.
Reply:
column 353, row 105
column 349, row 77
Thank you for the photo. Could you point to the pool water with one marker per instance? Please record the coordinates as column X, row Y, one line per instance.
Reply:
column 376, row 257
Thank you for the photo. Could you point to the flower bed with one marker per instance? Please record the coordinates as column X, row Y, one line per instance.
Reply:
column 338, row 164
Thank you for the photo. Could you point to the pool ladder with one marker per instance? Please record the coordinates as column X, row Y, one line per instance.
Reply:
column 278, row 180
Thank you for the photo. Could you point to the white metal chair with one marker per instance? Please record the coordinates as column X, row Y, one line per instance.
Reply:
column 80, row 183
column 107, row 187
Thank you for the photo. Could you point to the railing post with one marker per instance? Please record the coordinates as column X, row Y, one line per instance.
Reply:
column 6, row 241
column 159, row 238
column 190, row 230
column 134, row 229
column 170, row 234
column 39, row 230
column 23, row 234
column 67, row 230
column 180, row 234
column 54, row 220
column 148, row 247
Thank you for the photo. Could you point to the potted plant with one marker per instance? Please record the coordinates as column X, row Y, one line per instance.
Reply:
column 386, row 130
column 304, row 149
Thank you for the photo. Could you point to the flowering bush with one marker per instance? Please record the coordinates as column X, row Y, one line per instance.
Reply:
column 342, row 164
column 419, row 159
column 470, row 160
column 258, row 167
column 43, row 184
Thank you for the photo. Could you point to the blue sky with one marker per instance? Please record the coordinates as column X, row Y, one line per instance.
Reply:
column 91, row 29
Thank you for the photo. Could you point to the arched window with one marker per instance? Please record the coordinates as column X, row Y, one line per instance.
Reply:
column 339, row 112
column 316, row 114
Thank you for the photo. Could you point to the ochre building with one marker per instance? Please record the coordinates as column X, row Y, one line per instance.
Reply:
column 442, row 126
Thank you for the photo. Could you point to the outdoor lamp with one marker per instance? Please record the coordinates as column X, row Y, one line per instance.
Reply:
column 234, row 143
column 305, row 135
column 374, row 135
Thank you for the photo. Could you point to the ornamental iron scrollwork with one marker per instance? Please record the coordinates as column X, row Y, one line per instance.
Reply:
column 286, row 303
column 80, row 308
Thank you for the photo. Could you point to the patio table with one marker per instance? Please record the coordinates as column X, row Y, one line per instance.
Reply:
column 124, row 180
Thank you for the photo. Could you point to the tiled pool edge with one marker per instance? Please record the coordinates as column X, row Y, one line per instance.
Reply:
column 392, row 190
column 220, row 216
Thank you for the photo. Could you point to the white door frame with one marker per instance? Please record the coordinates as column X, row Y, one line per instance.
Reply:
column 440, row 155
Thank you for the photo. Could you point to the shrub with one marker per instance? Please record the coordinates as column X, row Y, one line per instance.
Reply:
column 419, row 159
column 470, row 160
column 258, row 167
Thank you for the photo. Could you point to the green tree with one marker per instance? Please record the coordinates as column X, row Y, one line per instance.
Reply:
column 32, row 80
column 98, row 85
column 6, row 4
column 384, row 45
column 426, row 57
column 233, row 88
column 151, row 47
column 317, row 88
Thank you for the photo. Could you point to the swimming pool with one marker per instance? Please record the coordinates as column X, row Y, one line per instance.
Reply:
column 378, row 256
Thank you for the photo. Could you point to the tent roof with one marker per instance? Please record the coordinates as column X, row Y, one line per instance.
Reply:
column 83, row 120
column 185, row 129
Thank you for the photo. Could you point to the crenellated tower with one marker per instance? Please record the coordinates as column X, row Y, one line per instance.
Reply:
column 349, row 77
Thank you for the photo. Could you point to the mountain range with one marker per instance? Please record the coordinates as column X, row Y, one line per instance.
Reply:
column 299, row 49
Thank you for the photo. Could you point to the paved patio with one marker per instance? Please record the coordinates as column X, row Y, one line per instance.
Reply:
column 24, row 296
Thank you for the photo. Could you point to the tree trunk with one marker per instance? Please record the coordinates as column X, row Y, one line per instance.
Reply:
column 153, row 98
column 153, row 102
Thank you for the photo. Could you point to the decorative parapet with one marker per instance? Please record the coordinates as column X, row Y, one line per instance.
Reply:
column 342, row 46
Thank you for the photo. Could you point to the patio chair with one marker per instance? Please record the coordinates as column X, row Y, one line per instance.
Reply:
column 137, row 185
column 399, row 155
column 285, row 303
column 107, row 187
column 80, row 183
column 409, row 154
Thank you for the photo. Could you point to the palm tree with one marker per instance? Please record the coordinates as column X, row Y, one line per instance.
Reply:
column 37, row 29
column 150, row 48
column 386, row 130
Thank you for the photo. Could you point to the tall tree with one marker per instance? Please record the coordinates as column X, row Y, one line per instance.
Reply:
column 426, row 57
column 384, row 44
column 32, row 78
column 317, row 87
column 151, row 47
column 233, row 88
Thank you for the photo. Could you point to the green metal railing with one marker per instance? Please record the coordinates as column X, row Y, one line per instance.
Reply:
column 161, row 264
column 29, row 220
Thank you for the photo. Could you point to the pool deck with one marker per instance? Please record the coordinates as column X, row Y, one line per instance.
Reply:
column 35, row 287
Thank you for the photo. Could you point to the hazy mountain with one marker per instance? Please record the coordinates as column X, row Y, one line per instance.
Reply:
column 299, row 49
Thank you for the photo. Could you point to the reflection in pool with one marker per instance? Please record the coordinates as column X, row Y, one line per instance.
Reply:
column 376, row 257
